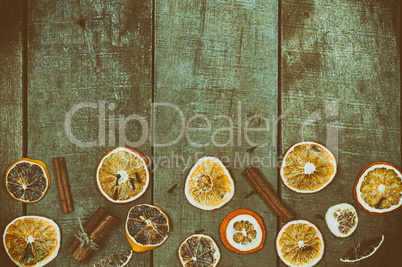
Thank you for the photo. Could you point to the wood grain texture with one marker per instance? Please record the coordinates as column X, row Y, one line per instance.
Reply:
column 218, row 62
column 341, row 87
column 91, row 55
column 11, row 140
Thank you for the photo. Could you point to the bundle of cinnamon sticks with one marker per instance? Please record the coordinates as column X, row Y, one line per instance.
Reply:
column 94, row 230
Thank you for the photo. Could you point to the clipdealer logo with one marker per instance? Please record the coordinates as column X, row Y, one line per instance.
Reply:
column 237, row 133
column 235, row 130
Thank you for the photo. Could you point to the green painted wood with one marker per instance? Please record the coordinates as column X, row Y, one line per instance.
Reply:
column 92, row 56
column 341, row 87
column 214, row 63
column 11, row 132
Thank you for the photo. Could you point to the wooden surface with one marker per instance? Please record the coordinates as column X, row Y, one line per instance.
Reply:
column 331, row 69
column 87, row 52
column 11, row 134
column 213, row 60
column 343, row 66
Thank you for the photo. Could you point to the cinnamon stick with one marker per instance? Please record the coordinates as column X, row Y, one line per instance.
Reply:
column 89, row 226
column 63, row 184
column 263, row 189
column 82, row 254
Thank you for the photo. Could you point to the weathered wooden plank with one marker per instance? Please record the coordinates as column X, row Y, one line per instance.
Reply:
column 340, row 84
column 218, row 62
column 89, row 62
column 11, row 132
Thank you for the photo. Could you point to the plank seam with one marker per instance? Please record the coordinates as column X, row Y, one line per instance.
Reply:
column 279, row 125
column 24, row 84
column 152, row 110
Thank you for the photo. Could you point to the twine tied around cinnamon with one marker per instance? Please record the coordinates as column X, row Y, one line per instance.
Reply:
column 84, row 239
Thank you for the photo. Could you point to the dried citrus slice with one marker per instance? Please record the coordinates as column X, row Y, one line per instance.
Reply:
column 308, row 167
column 378, row 190
column 122, row 175
column 209, row 185
column 242, row 231
column 27, row 180
column 147, row 227
column 32, row 240
column 362, row 249
column 300, row 243
column 199, row 250
column 115, row 260
column 342, row 219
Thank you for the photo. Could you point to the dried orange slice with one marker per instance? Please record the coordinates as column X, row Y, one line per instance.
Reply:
column 342, row 219
column 147, row 227
column 199, row 250
column 115, row 260
column 308, row 167
column 122, row 175
column 300, row 243
column 242, row 231
column 209, row 185
column 27, row 180
column 362, row 249
column 32, row 240
column 378, row 189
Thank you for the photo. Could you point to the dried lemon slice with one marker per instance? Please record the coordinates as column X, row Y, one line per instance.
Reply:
column 242, row 231
column 32, row 240
column 27, row 180
column 122, row 175
column 362, row 249
column 209, row 185
column 147, row 227
column 199, row 250
column 378, row 190
column 300, row 243
column 115, row 260
column 308, row 167
column 342, row 219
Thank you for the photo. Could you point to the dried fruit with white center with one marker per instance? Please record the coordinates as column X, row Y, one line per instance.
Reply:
column 209, row 185
column 199, row 250
column 242, row 231
column 147, row 227
column 342, row 219
column 115, row 260
column 378, row 190
column 300, row 243
column 32, row 241
column 308, row 167
column 27, row 180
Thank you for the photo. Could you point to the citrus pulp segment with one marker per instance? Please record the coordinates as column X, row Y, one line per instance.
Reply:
column 122, row 175
column 209, row 185
column 308, row 167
